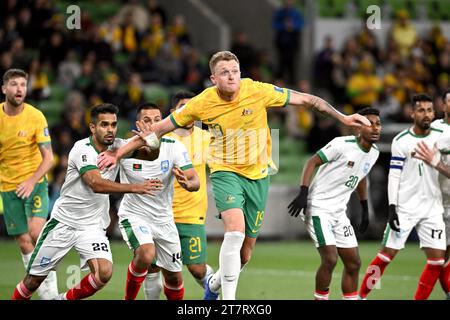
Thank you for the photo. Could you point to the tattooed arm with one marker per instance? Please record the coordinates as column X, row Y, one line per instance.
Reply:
column 25, row 188
column 323, row 107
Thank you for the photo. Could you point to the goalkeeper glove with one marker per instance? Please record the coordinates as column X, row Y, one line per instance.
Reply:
column 393, row 218
column 364, row 216
column 299, row 203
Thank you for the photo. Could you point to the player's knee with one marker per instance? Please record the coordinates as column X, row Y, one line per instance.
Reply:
column 145, row 255
column 105, row 273
column 198, row 271
column 329, row 261
column 173, row 279
column 25, row 243
column 354, row 265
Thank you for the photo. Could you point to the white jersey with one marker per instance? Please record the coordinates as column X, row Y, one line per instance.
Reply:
column 157, row 208
column 444, row 148
column 418, row 193
column 345, row 165
column 78, row 206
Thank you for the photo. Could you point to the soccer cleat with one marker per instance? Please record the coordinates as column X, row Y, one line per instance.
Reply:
column 209, row 294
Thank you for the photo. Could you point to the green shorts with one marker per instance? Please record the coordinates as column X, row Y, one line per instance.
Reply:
column 193, row 242
column 232, row 190
column 17, row 210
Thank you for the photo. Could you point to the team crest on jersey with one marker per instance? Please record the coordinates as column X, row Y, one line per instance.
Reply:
column 165, row 165
column 22, row 133
column 137, row 167
column 366, row 167
column 44, row 262
column 246, row 112
column 350, row 164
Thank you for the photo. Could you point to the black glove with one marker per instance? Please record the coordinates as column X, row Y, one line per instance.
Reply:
column 364, row 216
column 299, row 203
column 393, row 218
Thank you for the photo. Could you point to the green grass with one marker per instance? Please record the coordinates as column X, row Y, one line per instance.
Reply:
column 278, row 270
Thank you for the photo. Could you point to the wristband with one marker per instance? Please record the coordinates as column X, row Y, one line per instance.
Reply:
column 152, row 141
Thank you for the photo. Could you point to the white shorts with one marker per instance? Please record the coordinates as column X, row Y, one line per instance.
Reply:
column 447, row 224
column 431, row 231
column 136, row 232
column 57, row 238
column 327, row 229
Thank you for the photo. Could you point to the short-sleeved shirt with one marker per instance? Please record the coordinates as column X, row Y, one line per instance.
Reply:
column 158, row 208
column 241, row 140
column 20, row 136
column 78, row 206
column 443, row 145
column 191, row 207
column 419, row 192
column 346, row 163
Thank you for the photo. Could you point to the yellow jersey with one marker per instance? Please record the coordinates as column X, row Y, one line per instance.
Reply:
column 19, row 138
column 241, row 139
column 191, row 207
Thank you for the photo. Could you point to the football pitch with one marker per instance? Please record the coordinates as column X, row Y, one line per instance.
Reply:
column 277, row 271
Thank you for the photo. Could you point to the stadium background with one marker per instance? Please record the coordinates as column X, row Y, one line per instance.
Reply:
column 127, row 52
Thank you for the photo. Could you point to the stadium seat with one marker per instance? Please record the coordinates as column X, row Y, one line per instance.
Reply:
column 408, row 5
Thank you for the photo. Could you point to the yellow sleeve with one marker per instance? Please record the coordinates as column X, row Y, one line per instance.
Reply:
column 273, row 96
column 187, row 114
column 42, row 132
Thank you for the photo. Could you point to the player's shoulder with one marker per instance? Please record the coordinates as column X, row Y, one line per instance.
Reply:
column 83, row 145
column 401, row 135
column 32, row 111
column 347, row 141
column 440, row 124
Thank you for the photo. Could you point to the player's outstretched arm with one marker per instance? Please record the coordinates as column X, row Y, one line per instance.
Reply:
column 25, row 188
column 99, row 185
column 432, row 157
column 323, row 107
column 188, row 179
column 362, row 193
column 300, row 202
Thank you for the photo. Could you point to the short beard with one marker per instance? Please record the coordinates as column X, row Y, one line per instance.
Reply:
column 12, row 102
column 425, row 126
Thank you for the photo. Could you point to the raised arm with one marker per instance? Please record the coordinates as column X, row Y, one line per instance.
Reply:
column 300, row 202
column 318, row 104
column 25, row 188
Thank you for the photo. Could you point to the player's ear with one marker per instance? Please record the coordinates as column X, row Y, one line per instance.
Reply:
column 3, row 89
column 213, row 79
column 92, row 127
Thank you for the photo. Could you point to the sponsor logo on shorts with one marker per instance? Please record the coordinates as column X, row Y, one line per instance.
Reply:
column 165, row 165
column 144, row 229
column 230, row 199
column 44, row 262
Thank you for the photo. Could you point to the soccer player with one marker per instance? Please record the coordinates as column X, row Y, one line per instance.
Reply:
column 25, row 158
column 415, row 200
column 235, row 112
column 189, row 208
column 343, row 166
column 78, row 216
column 147, row 223
column 441, row 162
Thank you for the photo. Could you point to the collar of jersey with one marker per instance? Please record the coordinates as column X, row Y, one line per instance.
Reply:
column 92, row 144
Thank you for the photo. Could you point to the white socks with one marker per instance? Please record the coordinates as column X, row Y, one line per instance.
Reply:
column 230, row 263
column 209, row 270
column 152, row 286
column 48, row 289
